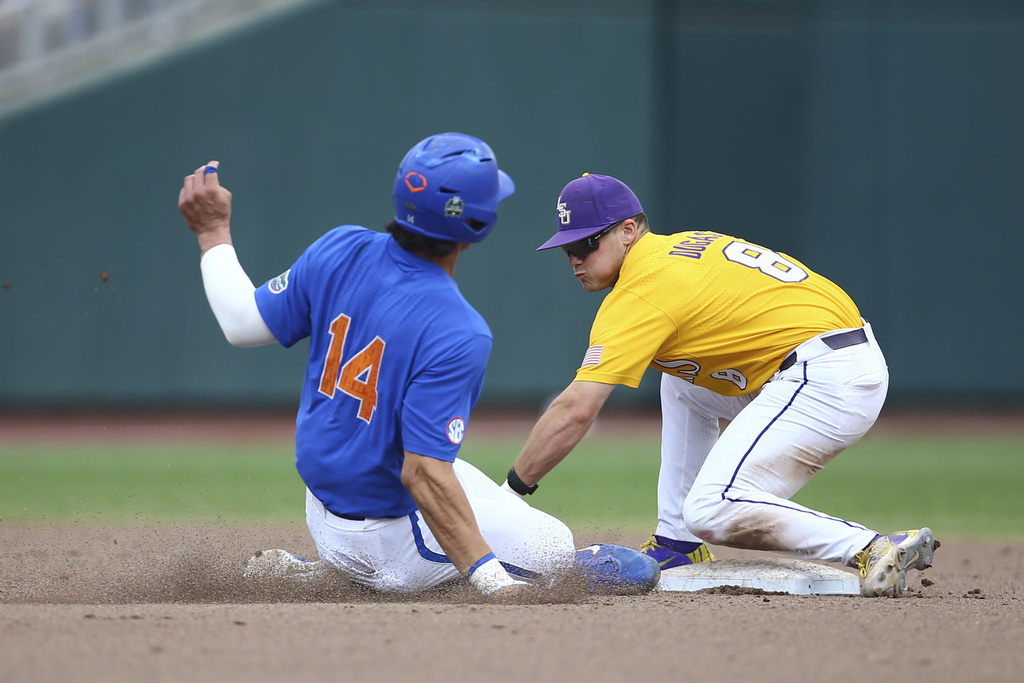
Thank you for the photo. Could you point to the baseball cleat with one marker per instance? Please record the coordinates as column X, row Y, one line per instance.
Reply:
column 657, row 547
column 614, row 569
column 884, row 563
column 280, row 564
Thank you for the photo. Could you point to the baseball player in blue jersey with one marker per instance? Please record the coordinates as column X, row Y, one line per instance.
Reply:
column 396, row 363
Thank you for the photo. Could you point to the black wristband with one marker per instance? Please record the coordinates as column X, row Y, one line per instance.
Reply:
column 517, row 485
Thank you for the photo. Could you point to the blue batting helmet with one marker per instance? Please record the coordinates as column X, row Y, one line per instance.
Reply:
column 448, row 187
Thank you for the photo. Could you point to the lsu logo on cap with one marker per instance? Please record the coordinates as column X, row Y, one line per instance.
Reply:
column 279, row 283
column 456, row 430
column 563, row 213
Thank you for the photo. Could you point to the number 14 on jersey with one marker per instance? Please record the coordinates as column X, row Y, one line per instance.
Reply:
column 358, row 376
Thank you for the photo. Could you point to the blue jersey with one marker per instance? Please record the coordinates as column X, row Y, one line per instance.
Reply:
column 396, row 362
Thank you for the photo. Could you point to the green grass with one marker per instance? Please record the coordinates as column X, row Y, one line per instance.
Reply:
column 966, row 486
column 148, row 484
column 606, row 483
column 960, row 486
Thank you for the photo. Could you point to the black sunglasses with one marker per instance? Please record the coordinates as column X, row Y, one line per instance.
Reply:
column 583, row 248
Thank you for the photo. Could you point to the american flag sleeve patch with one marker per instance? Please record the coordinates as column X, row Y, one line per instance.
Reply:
column 593, row 356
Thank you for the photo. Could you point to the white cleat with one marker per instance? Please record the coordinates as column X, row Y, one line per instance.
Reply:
column 281, row 564
column 884, row 563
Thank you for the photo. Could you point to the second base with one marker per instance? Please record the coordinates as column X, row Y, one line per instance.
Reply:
column 772, row 575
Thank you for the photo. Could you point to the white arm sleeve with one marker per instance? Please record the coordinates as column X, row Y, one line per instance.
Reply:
column 231, row 295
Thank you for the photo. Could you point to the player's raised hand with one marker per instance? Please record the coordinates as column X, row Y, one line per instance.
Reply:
column 206, row 205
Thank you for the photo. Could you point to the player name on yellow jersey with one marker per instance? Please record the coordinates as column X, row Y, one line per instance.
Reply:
column 716, row 310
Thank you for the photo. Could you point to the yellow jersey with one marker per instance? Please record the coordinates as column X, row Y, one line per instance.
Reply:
column 715, row 310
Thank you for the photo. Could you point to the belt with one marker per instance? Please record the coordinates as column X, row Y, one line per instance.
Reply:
column 352, row 517
column 834, row 342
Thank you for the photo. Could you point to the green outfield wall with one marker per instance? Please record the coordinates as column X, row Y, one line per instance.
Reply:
column 879, row 142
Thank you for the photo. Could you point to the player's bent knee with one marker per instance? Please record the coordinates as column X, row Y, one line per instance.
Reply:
column 563, row 546
column 702, row 516
column 551, row 548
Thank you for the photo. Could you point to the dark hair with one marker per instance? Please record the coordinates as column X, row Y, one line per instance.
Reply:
column 428, row 246
column 641, row 222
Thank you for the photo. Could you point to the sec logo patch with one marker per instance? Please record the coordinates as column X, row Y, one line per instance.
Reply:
column 456, row 430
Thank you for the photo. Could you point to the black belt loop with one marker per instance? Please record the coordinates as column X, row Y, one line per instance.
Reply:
column 834, row 342
column 844, row 339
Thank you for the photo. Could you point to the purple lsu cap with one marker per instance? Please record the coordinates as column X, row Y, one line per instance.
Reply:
column 590, row 204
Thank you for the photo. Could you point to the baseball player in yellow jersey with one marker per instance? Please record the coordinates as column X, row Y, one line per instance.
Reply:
column 769, row 372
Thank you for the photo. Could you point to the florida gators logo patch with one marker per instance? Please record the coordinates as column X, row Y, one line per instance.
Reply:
column 279, row 283
column 456, row 430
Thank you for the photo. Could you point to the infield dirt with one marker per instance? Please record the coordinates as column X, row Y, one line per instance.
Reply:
column 167, row 603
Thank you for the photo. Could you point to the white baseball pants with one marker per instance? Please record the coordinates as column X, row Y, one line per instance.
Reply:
column 733, row 488
column 401, row 555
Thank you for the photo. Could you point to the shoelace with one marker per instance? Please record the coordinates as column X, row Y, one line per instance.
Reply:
column 701, row 554
column 866, row 558
column 863, row 557
column 650, row 544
